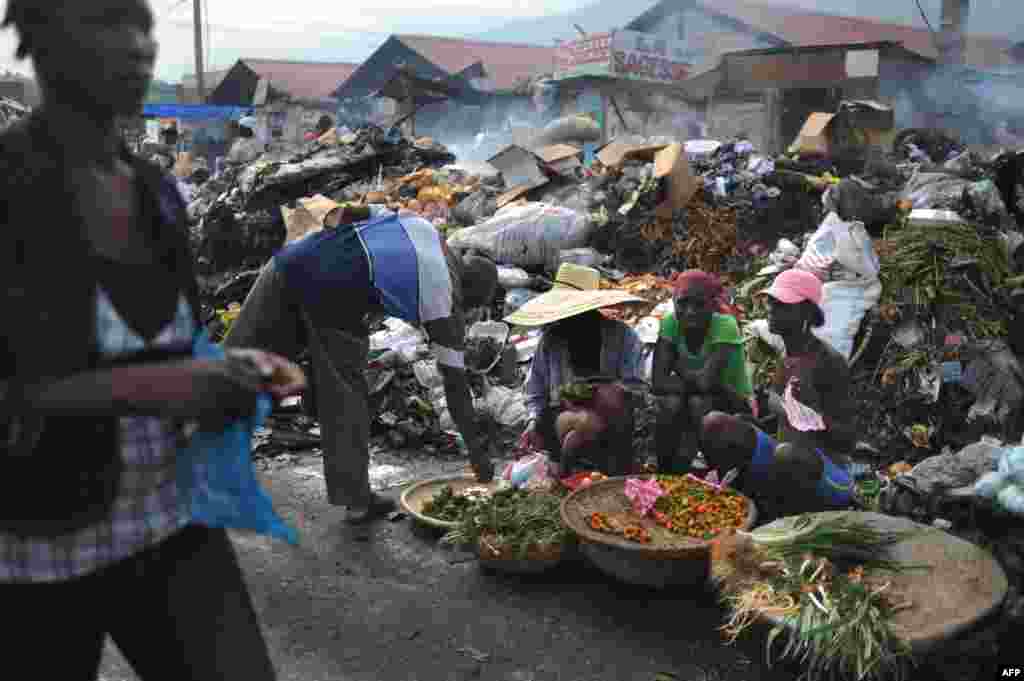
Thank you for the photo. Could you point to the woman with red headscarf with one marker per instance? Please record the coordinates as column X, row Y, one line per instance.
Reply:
column 700, row 366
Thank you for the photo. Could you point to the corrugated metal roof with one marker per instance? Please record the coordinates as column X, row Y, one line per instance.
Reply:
column 505, row 63
column 300, row 79
column 804, row 28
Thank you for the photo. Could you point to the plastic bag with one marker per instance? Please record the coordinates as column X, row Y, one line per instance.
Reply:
column 513, row 277
column 216, row 483
column 643, row 494
column 504, row 405
column 517, row 297
column 526, row 236
column 1011, row 498
column 531, row 470
column 990, row 484
column 987, row 201
column 404, row 339
column 935, row 190
column 584, row 257
column 845, row 303
column 845, row 243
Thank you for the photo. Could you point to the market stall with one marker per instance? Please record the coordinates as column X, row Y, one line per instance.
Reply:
column 205, row 130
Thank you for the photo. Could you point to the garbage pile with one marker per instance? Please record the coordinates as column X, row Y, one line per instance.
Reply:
column 237, row 218
column 917, row 248
column 11, row 111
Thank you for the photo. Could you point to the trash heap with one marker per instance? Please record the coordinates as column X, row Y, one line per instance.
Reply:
column 237, row 218
column 11, row 111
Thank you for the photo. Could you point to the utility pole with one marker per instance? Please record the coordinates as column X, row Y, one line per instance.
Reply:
column 200, row 76
column 953, row 31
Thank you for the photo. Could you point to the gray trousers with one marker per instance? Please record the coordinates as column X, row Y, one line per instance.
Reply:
column 270, row 320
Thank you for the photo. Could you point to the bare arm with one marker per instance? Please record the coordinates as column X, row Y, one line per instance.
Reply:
column 186, row 389
column 663, row 378
column 837, row 406
column 669, row 378
column 448, row 336
column 182, row 389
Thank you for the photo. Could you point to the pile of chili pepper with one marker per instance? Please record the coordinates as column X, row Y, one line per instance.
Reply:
column 697, row 509
column 602, row 523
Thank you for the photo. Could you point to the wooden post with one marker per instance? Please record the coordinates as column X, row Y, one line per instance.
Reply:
column 200, row 76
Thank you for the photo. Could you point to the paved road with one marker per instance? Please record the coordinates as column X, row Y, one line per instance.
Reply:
column 389, row 604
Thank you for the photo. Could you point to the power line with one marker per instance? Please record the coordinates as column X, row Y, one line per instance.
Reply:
column 167, row 12
column 924, row 16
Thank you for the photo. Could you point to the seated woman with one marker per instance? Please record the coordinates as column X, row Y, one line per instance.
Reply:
column 579, row 345
column 812, row 401
column 700, row 366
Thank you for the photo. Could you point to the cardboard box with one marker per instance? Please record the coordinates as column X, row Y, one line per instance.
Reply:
column 613, row 154
column 814, row 136
column 673, row 163
column 873, row 121
column 670, row 163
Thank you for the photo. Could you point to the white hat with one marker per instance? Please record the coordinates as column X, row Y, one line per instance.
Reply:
column 249, row 122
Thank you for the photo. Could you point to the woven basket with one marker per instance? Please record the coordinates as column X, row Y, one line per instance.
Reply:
column 964, row 587
column 420, row 493
column 670, row 559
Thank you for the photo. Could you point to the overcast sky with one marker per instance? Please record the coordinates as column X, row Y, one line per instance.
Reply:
column 348, row 30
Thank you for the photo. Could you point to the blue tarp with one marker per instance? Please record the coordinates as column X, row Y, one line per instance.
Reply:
column 196, row 112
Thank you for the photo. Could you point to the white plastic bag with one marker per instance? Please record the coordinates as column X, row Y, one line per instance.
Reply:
column 526, row 236
column 845, row 243
column 513, row 277
column 533, row 471
column 584, row 257
column 504, row 405
column 404, row 339
column 845, row 302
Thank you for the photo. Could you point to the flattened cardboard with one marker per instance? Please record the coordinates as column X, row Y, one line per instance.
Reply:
column 614, row 153
column 511, row 195
column 519, row 167
column 558, row 152
column 813, row 137
column 311, row 215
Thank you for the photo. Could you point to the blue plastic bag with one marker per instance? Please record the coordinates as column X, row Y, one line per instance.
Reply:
column 216, row 483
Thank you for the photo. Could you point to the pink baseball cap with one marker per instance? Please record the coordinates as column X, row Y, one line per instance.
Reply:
column 795, row 286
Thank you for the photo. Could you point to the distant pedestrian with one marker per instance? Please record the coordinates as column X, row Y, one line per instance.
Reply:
column 98, row 381
column 248, row 147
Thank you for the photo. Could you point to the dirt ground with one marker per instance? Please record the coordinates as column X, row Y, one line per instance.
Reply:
column 387, row 603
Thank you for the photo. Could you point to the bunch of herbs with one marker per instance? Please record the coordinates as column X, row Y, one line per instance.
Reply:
column 823, row 586
column 512, row 519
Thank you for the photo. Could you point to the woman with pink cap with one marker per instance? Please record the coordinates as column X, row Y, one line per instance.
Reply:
column 812, row 401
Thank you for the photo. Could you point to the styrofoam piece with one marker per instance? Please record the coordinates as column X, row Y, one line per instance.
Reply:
column 927, row 217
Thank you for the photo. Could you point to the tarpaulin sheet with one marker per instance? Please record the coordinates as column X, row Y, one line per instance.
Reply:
column 196, row 112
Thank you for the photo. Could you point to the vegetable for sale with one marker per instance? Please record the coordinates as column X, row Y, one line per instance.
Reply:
column 447, row 505
column 512, row 519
